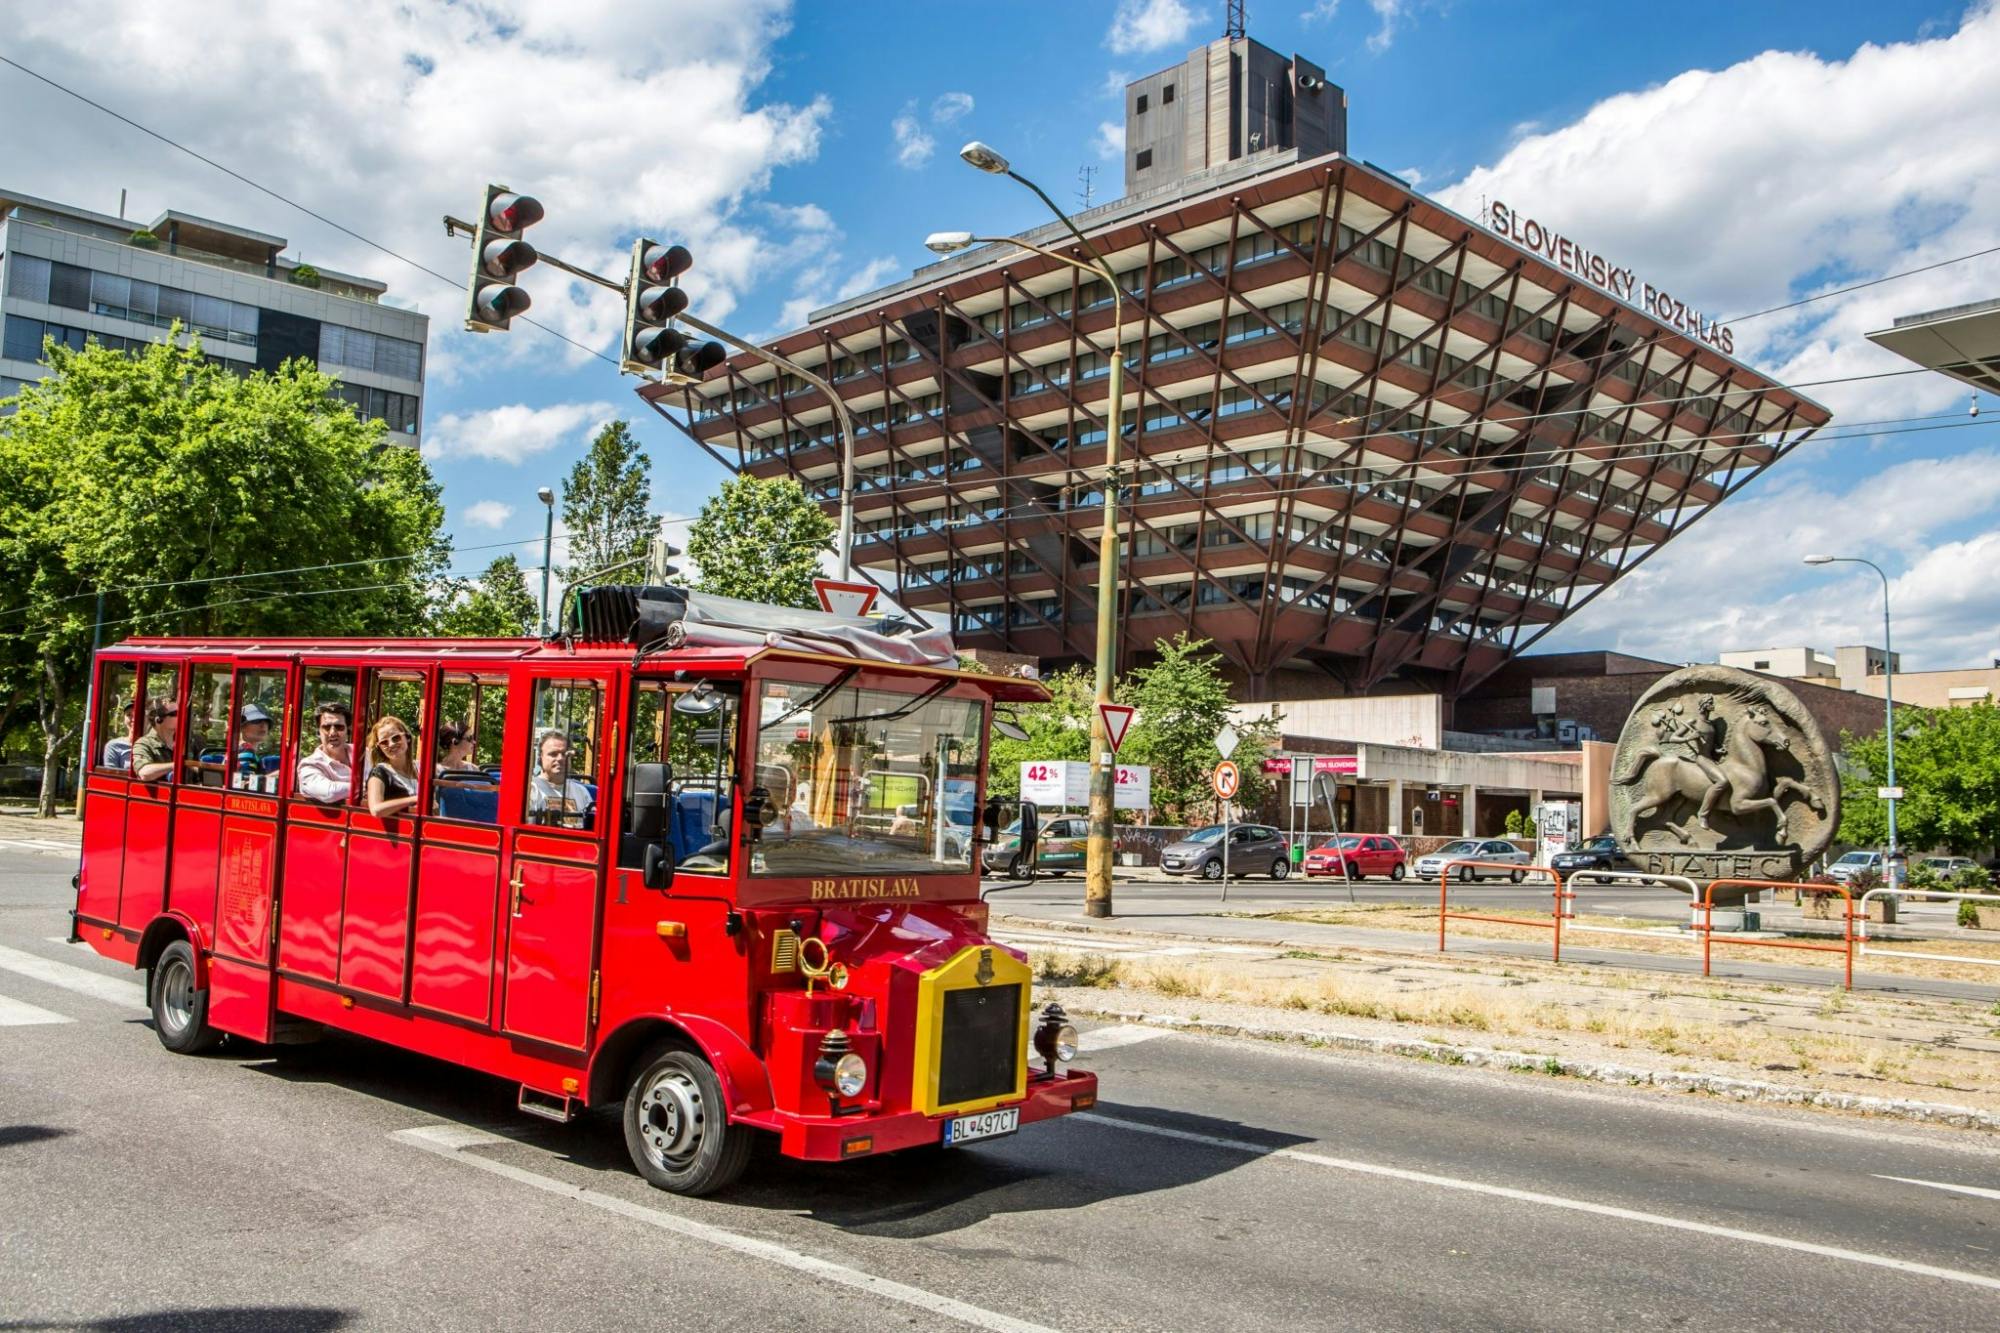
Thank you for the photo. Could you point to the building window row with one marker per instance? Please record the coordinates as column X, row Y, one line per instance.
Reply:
column 358, row 349
column 398, row 411
column 32, row 278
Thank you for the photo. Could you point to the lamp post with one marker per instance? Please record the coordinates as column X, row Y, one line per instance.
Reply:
column 1097, row 863
column 1888, row 698
column 548, row 499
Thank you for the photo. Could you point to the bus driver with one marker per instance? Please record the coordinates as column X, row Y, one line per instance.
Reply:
column 553, row 796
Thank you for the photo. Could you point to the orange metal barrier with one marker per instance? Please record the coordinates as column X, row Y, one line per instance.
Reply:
column 1845, row 947
column 1553, row 925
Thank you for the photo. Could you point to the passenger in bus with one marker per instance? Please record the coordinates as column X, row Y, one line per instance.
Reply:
column 153, row 753
column 554, row 797
column 455, row 745
column 118, row 750
column 253, row 739
column 326, row 774
column 392, row 773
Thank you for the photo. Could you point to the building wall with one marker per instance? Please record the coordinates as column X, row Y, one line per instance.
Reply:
column 1793, row 663
column 289, row 319
column 1407, row 719
column 1937, row 689
column 1227, row 100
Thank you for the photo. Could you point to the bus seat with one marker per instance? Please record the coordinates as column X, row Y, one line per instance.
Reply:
column 271, row 763
column 469, row 802
column 693, row 819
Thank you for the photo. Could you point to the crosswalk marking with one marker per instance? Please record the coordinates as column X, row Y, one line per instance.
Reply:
column 20, row 1014
column 1124, row 1034
column 70, row 977
column 1082, row 943
column 46, row 846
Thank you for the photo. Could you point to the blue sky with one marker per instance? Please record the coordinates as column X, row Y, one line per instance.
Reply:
column 1741, row 154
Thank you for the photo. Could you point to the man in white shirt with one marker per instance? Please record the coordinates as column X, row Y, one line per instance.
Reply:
column 327, row 774
column 554, row 797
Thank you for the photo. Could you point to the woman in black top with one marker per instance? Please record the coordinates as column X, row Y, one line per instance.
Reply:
column 392, row 775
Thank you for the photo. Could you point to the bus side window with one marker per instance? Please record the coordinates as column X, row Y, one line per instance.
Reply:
column 393, row 757
column 562, row 754
column 325, row 772
column 679, row 784
column 118, row 716
column 205, row 728
column 159, row 723
column 259, row 720
column 470, row 725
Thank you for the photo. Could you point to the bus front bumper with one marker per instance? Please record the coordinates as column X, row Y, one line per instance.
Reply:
column 837, row 1138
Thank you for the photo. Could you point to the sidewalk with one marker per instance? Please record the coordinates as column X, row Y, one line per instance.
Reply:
column 19, row 823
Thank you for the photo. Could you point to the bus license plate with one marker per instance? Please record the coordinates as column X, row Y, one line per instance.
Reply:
column 985, row 1125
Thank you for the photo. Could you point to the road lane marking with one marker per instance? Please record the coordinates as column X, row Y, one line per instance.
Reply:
column 1552, row 1201
column 1941, row 1185
column 1125, row 1034
column 82, row 980
column 20, row 1014
column 46, row 846
column 449, row 1141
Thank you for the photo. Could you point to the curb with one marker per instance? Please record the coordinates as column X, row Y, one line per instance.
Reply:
column 1737, row 1089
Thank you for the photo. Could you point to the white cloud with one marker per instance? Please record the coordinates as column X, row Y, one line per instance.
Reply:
column 513, row 433
column 1784, row 175
column 950, row 107
column 487, row 513
column 1322, row 12
column 816, row 289
column 1391, row 13
column 1148, row 25
column 1735, row 579
column 384, row 115
column 1114, row 83
column 913, row 146
column 1110, row 139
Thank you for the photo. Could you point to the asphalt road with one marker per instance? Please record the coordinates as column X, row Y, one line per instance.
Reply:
column 1218, row 1185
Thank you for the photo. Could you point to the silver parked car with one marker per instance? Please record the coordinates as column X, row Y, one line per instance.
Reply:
column 1475, row 849
column 1254, row 849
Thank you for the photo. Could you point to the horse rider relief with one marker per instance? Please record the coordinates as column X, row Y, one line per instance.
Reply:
column 1716, row 760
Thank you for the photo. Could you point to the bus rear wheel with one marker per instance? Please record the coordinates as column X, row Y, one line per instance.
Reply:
column 180, row 1010
column 677, row 1124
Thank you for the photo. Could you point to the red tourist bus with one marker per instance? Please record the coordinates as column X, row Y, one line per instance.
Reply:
column 717, row 860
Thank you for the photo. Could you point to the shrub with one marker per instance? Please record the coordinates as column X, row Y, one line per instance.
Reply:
column 144, row 239
column 304, row 275
column 1922, row 875
column 1516, row 821
column 1971, row 879
column 1968, row 914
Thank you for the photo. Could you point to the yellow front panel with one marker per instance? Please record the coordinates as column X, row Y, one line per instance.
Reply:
column 969, row 969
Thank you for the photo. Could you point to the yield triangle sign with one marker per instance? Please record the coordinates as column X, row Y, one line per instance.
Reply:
column 843, row 598
column 1117, row 721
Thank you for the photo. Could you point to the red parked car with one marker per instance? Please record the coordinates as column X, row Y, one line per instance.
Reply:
column 1358, row 856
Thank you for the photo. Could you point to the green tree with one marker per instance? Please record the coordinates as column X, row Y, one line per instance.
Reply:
column 497, row 606
column 607, row 502
column 1948, row 765
column 1058, row 729
column 1183, row 702
column 760, row 540
column 198, row 502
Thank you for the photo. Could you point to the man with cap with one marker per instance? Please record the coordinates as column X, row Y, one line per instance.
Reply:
column 253, row 734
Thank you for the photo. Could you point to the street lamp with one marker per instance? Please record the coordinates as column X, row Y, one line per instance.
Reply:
column 548, row 499
column 1097, row 863
column 1888, row 698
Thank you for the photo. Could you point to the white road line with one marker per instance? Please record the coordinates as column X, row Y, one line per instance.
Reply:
column 448, row 1140
column 47, row 846
column 1130, row 948
column 1554, row 1201
column 82, row 980
column 20, row 1014
column 1124, row 1034
column 1974, row 1190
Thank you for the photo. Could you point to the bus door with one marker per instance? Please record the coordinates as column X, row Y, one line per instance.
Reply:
column 556, row 858
column 390, row 758
column 114, row 727
column 197, row 829
column 149, row 809
column 456, row 922
column 240, row 993
column 316, row 817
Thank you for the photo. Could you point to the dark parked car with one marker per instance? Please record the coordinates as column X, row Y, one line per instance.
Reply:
column 1254, row 849
column 1599, row 853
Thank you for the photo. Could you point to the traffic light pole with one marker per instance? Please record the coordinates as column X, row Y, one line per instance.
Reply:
column 844, row 553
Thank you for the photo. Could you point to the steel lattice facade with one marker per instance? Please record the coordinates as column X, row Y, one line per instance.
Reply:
column 1361, row 433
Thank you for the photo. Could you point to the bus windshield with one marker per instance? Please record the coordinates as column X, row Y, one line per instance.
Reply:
column 866, row 779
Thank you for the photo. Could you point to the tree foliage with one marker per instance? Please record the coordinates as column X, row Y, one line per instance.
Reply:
column 199, row 502
column 760, row 540
column 497, row 606
column 1948, row 765
column 607, row 502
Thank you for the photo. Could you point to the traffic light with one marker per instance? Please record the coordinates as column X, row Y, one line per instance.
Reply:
column 498, row 254
column 652, row 300
column 659, row 552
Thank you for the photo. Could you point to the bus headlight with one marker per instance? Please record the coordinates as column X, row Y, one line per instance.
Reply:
column 1055, row 1038
column 839, row 1070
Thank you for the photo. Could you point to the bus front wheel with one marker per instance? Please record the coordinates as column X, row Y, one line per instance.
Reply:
column 677, row 1124
column 180, row 1010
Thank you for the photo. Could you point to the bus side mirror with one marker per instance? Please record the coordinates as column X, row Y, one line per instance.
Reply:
column 756, row 813
column 1031, row 825
column 658, row 871
column 989, row 819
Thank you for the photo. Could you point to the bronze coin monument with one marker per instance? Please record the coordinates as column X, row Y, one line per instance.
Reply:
column 1722, row 774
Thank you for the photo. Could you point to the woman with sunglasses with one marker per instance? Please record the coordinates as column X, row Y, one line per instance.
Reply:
column 392, row 776
column 455, row 744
